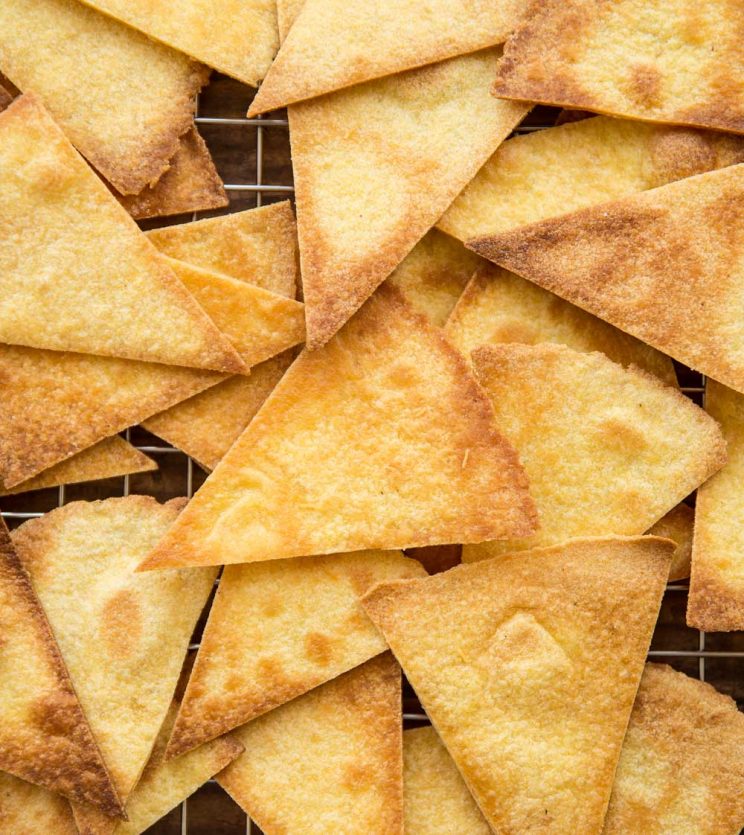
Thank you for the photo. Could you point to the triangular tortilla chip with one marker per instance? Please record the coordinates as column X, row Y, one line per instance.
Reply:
column 77, row 274
column 325, row 759
column 682, row 764
column 612, row 458
column 236, row 37
column 498, row 306
column 334, row 44
column 659, row 62
column 207, row 425
column 44, row 735
column 123, row 100
column 127, row 642
column 562, row 169
column 677, row 525
column 527, row 666
column 623, row 262
column 106, row 459
column 716, row 599
column 276, row 630
column 26, row 809
column 258, row 246
column 380, row 440
column 436, row 799
column 376, row 165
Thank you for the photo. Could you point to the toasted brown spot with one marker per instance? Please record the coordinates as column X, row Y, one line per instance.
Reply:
column 319, row 648
column 644, row 85
column 356, row 777
column 516, row 332
column 676, row 154
column 615, row 434
column 55, row 713
column 121, row 623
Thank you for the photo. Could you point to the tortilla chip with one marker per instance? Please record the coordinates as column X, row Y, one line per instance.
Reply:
column 287, row 11
column 436, row 800
column 191, row 184
column 278, row 629
column 328, row 758
column 376, row 165
column 658, row 63
column 106, row 459
column 123, row 100
column 434, row 274
column 611, row 457
column 128, row 639
column 527, row 666
column 716, row 599
column 258, row 246
column 677, row 525
column 26, row 809
column 236, row 37
column 380, row 440
column 77, row 274
column 207, row 425
column 333, row 44
column 550, row 172
column 44, row 735
column 681, row 767
column 622, row 261
column 500, row 307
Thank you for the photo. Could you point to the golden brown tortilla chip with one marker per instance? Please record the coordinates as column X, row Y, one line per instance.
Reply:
column 278, row 629
column 258, row 246
column 380, row 440
column 550, row 172
column 436, row 799
column 678, row 62
column 123, row 100
column 236, row 37
column 376, row 165
column 106, row 459
column 44, row 734
column 607, row 449
column 77, row 274
column 716, row 599
column 665, row 265
column 26, row 809
column 327, row 759
column 334, row 44
column 677, row 525
column 681, row 768
column 527, row 666
column 498, row 306
column 127, row 642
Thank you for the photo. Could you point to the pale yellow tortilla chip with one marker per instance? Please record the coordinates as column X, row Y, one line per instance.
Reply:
column 562, row 169
column 380, row 440
column 607, row 450
column 45, row 737
column 527, row 666
column 207, row 425
column 681, row 768
column 127, row 641
column 500, row 307
column 677, row 525
column 236, row 37
column 327, row 760
column 678, row 62
column 278, row 629
column 258, row 246
column 666, row 265
column 106, row 459
column 716, row 599
column 123, row 100
column 26, row 809
column 77, row 274
column 436, row 799
column 376, row 165
column 333, row 44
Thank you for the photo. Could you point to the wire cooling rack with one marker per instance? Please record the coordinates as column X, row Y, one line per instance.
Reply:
column 253, row 158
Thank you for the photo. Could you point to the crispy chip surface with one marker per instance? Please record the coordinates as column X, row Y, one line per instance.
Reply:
column 278, row 629
column 527, row 666
column 681, row 768
column 381, row 439
column 376, row 165
column 677, row 525
column 26, row 809
column 622, row 261
column 123, row 100
column 611, row 457
column 330, row 761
